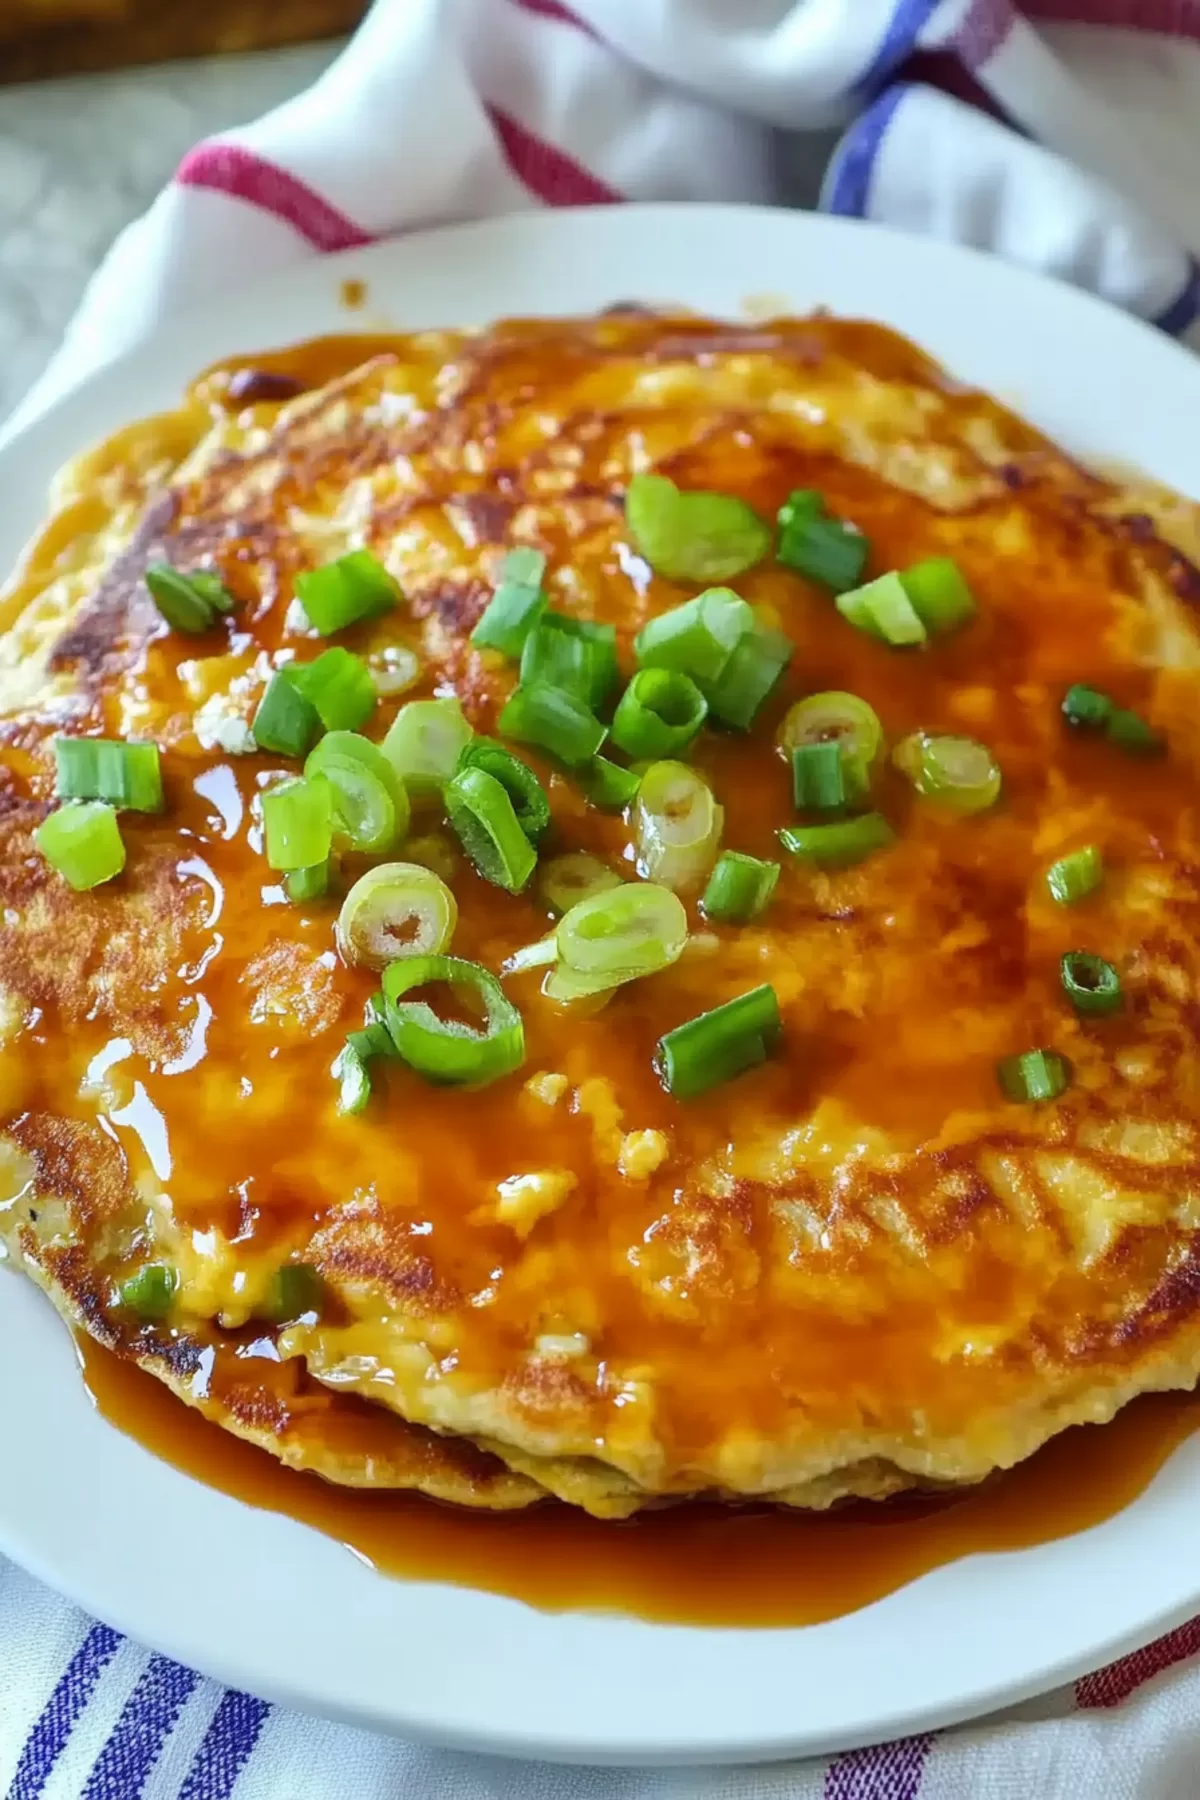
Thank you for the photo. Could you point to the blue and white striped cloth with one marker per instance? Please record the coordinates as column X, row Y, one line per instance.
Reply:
column 1074, row 150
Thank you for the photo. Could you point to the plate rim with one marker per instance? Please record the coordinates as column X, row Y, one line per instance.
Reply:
column 35, row 441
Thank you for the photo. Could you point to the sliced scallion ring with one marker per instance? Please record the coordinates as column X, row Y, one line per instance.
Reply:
column 749, row 677
column 739, row 888
column 1072, row 878
column 345, row 592
column 939, row 594
column 532, row 956
column 425, row 741
column 1033, row 1076
column 565, row 880
column 554, row 720
column 958, row 771
column 1091, row 985
column 698, row 637
column 516, row 606
column 818, row 778
column 394, row 670
column 883, row 609
column 623, row 933
column 370, row 804
column 677, row 826
column 151, row 1292
column 693, row 535
column 822, row 549
column 482, row 816
column 188, row 602
column 841, row 719
column 286, row 722
column 720, row 1044
column 340, row 687
column 82, row 842
column 659, row 714
column 1130, row 732
column 840, row 844
column 395, row 910
column 447, row 1049
column 298, row 823
column 1086, row 707
column 575, row 654
column 126, row 775
column 307, row 884
column 607, row 785
column 516, row 778
column 296, row 1290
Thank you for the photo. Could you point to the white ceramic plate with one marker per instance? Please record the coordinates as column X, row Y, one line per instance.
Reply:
column 256, row 1600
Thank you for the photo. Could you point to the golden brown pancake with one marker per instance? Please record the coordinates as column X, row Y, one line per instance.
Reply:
column 856, row 1268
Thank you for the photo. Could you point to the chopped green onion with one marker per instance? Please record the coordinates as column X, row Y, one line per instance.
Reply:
column 516, row 606
column 839, row 845
column 822, row 549
column 698, row 637
column 125, row 774
column 352, row 1067
column 482, row 815
column 719, row 1044
column 447, row 1050
column 956, row 770
column 659, row 713
column 151, row 1292
column 607, row 785
column 739, row 888
column 939, row 593
column 345, row 592
column 693, row 535
column 307, row 884
column 82, row 842
column 296, row 1291
column 516, row 778
column 1036, row 1075
column 555, row 721
column 565, row 880
column 567, row 987
column 1092, row 985
column 286, row 723
column 622, row 933
column 1072, row 878
column 1086, row 707
column 340, row 686
column 370, row 802
column 677, row 826
column 531, row 956
column 574, row 654
column 394, row 669
column 298, row 823
column 425, row 741
column 749, row 677
column 188, row 603
column 818, row 777
column 841, row 719
column 882, row 609
column 1130, row 732
column 396, row 909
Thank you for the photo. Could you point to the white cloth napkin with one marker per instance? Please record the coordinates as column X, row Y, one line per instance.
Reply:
column 1071, row 149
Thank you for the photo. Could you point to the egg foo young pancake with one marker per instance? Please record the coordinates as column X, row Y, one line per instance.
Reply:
column 635, row 917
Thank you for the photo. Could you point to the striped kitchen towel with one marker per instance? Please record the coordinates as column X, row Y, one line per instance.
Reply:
column 1062, row 133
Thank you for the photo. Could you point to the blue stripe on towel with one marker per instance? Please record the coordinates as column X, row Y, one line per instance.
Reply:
column 49, row 1737
column 908, row 20
column 227, row 1744
column 1182, row 311
column 127, row 1759
column 854, row 160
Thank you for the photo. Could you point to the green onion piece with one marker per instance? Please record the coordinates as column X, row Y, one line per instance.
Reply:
column 567, row 987
column 298, row 823
column 837, row 846
column 623, row 933
column 1072, row 878
column 352, row 1073
column 822, row 549
column 565, row 880
column 801, row 504
column 287, row 722
column 82, row 842
column 719, row 1044
column 575, row 654
column 882, row 609
column 345, row 592
column 604, row 672
column 425, row 741
column 126, row 775
column 693, row 535
column 516, row 606
column 151, row 1292
column 516, row 778
column 554, row 720
column 188, row 603
column 483, row 817
column 677, row 826
column 1091, row 984
column 370, row 804
column 340, row 686
column 1086, row 707
column 396, row 909
column 841, row 719
column 531, row 956
column 307, row 884
column 739, row 888
column 957, row 771
column 698, row 637
column 659, row 713
column 818, row 777
column 296, row 1291
column 749, row 677
column 939, row 593
column 1130, row 732
column 448, row 1050
column 607, row 785
column 1036, row 1075
column 394, row 669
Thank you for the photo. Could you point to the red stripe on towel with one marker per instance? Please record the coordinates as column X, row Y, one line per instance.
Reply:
column 549, row 174
column 242, row 175
column 1108, row 1687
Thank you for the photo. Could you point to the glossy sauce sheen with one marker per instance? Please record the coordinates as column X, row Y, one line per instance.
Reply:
column 901, row 984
